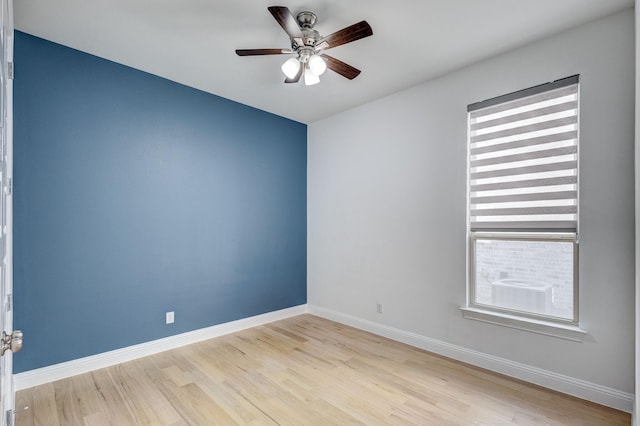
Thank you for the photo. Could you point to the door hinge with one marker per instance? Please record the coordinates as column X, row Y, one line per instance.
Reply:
column 9, row 302
column 10, row 70
column 10, row 417
column 9, row 186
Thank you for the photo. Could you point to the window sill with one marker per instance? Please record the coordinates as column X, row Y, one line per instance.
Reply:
column 562, row 331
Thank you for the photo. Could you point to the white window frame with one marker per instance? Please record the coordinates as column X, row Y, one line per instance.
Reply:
column 511, row 236
column 530, row 321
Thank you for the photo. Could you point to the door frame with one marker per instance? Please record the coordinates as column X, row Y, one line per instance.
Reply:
column 7, row 396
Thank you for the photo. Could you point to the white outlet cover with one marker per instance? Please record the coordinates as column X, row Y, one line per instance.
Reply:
column 170, row 317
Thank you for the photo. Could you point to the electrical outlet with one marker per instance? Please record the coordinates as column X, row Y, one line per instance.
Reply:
column 379, row 308
column 170, row 318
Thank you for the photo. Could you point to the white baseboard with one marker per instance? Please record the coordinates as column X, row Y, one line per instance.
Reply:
column 580, row 388
column 63, row 370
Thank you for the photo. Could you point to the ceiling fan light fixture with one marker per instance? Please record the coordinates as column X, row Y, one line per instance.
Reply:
column 317, row 65
column 310, row 78
column 291, row 67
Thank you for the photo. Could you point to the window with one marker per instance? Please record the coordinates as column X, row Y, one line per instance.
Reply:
column 523, row 203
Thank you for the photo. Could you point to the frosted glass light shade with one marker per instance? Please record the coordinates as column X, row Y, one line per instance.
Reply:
column 291, row 67
column 317, row 65
column 310, row 78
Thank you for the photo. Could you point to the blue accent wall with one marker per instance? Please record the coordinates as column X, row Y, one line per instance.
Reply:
column 134, row 196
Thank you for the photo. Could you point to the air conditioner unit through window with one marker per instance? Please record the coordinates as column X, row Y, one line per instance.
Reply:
column 519, row 295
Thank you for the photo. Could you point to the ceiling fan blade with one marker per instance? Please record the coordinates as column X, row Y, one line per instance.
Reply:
column 296, row 78
column 340, row 67
column 286, row 20
column 346, row 35
column 253, row 52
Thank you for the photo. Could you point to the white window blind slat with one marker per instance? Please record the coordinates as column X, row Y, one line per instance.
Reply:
column 537, row 168
column 556, row 137
column 527, row 115
column 530, row 128
column 529, row 183
column 536, row 196
column 548, row 153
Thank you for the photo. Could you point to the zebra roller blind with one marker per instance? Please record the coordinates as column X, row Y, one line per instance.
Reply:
column 523, row 159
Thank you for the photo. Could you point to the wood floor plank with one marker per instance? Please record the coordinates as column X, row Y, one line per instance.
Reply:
column 234, row 404
column 45, row 410
column 98, row 419
column 68, row 408
column 24, row 408
column 108, row 400
column 302, row 370
column 144, row 401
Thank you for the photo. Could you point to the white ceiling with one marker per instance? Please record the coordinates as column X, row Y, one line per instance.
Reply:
column 193, row 41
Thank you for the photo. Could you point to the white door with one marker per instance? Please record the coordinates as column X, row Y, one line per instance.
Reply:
column 9, row 340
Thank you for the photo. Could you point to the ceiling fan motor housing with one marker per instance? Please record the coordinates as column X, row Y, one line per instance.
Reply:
column 310, row 38
column 307, row 19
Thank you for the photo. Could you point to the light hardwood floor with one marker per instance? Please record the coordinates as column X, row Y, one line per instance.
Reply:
column 303, row 370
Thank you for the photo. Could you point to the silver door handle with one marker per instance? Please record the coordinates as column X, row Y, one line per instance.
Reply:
column 11, row 341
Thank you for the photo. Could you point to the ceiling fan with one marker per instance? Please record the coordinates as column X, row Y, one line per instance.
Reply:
column 308, row 46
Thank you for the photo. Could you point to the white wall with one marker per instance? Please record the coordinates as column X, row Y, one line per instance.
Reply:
column 387, row 205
